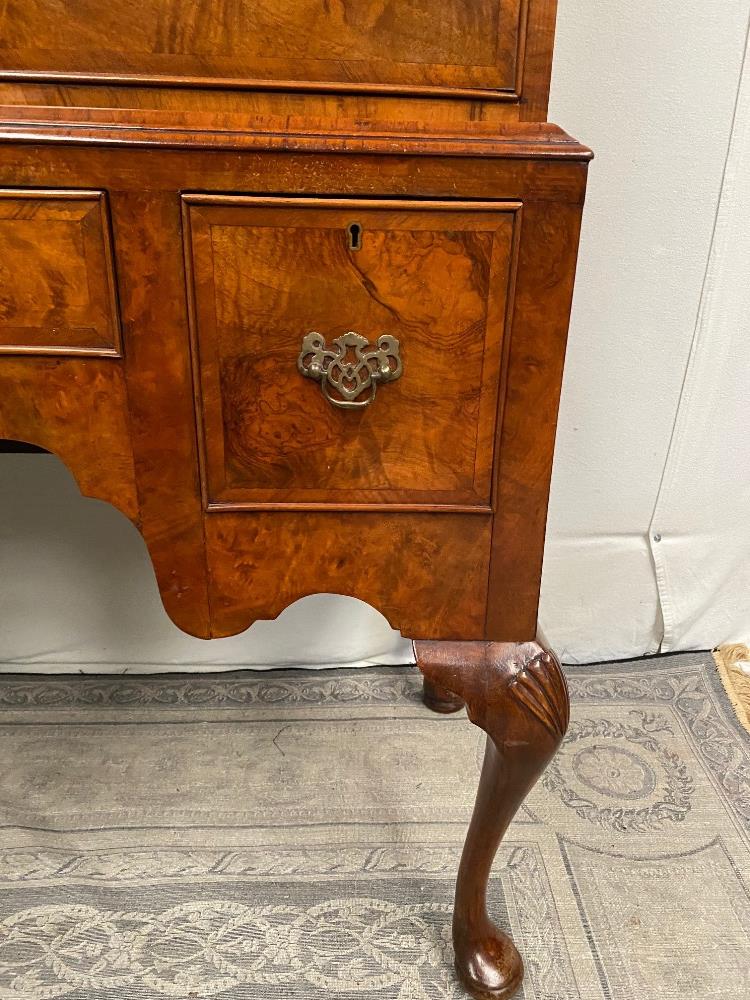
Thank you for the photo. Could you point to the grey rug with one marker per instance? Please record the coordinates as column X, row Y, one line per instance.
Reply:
column 297, row 836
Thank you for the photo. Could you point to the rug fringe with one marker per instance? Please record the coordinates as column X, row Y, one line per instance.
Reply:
column 733, row 664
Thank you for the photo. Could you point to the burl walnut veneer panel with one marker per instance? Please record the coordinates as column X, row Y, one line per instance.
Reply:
column 77, row 410
column 57, row 284
column 267, row 272
column 346, row 44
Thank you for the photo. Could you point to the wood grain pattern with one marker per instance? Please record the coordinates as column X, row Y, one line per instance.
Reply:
column 539, row 41
column 193, row 130
column 517, row 694
column 57, row 283
column 76, row 409
column 262, row 562
column 428, row 110
column 159, row 400
column 544, row 291
column 439, row 699
column 474, row 47
column 267, row 272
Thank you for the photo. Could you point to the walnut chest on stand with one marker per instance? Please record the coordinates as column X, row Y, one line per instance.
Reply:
column 288, row 283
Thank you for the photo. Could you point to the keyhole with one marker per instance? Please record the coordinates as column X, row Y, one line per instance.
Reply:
column 355, row 235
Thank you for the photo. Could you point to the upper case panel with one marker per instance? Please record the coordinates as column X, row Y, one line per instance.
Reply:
column 470, row 45
column 267, row 274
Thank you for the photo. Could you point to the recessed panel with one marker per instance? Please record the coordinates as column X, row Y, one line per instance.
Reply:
column 345, row 44
column 57, row 289
column 348, row 353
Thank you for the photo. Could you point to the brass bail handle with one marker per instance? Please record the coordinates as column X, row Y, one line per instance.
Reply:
column 344, row 379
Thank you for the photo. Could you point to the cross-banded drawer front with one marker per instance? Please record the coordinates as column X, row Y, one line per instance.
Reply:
column 57, row 283
column 348, row 352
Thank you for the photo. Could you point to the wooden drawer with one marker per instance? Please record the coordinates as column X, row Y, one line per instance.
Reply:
column 366, row 45
column 426, row 281
column 57, row 284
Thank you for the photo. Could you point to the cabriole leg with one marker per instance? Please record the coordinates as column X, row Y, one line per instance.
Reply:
column 438, row 699
column 517, row 694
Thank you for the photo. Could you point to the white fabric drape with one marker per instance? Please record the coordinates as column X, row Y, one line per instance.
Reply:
column 700, row 534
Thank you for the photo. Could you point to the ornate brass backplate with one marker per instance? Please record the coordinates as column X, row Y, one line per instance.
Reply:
column 345, row 376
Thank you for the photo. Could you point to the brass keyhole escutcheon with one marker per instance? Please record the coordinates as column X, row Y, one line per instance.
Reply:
column 354, row 234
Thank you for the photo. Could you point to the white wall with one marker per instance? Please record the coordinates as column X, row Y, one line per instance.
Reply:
column 652, row 88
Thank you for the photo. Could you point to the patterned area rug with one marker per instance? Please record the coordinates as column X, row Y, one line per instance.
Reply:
column 295, row 836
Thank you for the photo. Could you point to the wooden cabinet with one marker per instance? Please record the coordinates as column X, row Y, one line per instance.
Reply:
column 251, row 480
column 289, row 285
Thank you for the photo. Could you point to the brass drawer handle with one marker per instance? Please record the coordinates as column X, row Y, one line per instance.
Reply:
column 343, row 379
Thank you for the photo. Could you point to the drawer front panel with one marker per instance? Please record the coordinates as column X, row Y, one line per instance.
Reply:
column 347, row 44
column 424, row 285
column 57, row 286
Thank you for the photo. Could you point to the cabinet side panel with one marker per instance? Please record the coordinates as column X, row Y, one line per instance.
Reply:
column 537, row 60
column 544, row 289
